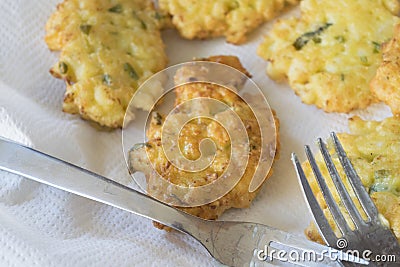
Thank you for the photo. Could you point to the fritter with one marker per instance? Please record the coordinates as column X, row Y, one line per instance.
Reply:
column 330, row 54
column 386, row 83
column 108, row 48
column 232, row 19
column 189, row 140
column 190, row 137
column 373, row 148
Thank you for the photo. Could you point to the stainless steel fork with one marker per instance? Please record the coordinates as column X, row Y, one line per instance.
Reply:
column 370, row 236
column 231, row 243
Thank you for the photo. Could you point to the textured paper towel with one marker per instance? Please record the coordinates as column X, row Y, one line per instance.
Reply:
column 43, row 226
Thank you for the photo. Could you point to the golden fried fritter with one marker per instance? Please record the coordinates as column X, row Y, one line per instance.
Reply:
column 373, row 148
column 330, row 54
column 108, row 48
column 232, row 19
column 190, row 137
column 189, row 140
column 386, row 83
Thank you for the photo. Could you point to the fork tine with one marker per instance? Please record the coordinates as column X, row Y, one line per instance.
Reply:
column 330, row 201
column 355, row 181
column 319, row 217
column 341, row 189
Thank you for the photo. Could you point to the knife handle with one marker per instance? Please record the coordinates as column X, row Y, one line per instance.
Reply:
column 35, row 165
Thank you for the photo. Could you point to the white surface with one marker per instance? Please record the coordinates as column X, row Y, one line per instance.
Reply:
column 43, row 226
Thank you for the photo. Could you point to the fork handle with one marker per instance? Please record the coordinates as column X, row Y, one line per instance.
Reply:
column 43, row 168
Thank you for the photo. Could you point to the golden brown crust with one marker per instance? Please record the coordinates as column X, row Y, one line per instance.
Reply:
column 191, row 135
column 232, row 19
column 386, row 83
column 231, row 61
column 194, row 132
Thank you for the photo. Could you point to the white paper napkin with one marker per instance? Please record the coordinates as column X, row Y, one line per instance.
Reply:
column 43, row 226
